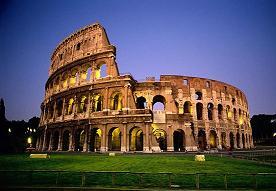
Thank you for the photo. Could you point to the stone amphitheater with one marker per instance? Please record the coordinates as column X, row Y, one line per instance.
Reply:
column 90, row 106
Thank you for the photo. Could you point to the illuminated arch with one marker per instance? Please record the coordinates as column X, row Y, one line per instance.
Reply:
column 116, row 101
column 136, row 139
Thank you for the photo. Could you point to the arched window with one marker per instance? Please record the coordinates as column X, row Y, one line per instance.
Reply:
column 97, row 103
column 159, row 102
column 228, row 112
column 235, row 114
column 88, row 74
column 198, row 95
column 220, row 111
column 199, row 108
column 210, row 108
column 59, row 107
column 74, row 77
column 82, row 104
column 141, row 102
column 116, row 101
column 101, row 71
column 64, row 81
column 187, row 107
column 70, row 107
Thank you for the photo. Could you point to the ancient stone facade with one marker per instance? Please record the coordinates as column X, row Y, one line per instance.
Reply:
column 90, row 106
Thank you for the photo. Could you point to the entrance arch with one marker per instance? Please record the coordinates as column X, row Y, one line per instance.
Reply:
column 79, row 139
column 238, row 140
column 179, row 140
column 213, row 139
column 223, row 140
column 55, row 140
column 141, row 102
column 95, row 140
column 114, row 139
column 202, row 139
column 136, row 139
column 232, row 141
column 243, row 141
column 65, row 140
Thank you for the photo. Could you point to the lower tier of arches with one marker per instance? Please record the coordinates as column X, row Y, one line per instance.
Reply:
column 144, row 137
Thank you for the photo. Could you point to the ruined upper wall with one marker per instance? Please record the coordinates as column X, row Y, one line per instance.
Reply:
column 90, row 40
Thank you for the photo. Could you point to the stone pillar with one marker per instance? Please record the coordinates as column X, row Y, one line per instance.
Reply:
column 227, row 139
column 169, row 138
column 147, row 136
column 219, row 140
column 71, row 141
column 89, row 105
column 55, row 110
column 63, row 108
column 44, row 139
column 85, row 145
column 103, row 139
column 60, row 141
column 124, row 142
column 50, row 147
column 106, row 105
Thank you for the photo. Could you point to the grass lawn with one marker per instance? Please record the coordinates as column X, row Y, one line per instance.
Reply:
column 139, row 163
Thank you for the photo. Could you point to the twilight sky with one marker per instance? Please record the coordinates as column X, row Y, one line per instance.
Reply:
column 230, row 41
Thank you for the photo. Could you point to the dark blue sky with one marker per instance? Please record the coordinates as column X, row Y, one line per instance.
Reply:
column 230, row 41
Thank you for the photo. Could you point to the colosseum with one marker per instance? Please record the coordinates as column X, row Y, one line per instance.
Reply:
column 90, row 106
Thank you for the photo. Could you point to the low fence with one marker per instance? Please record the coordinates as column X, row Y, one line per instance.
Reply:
column 54, row 178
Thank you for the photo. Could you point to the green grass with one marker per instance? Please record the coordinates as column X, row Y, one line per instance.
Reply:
column 150, row 164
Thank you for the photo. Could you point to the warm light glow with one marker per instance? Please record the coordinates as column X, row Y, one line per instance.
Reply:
column 241, row 121
column 274, row 134
column 29, row 140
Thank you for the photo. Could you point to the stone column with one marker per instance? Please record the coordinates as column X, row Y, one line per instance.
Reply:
column 169, row 138
column 71, row 141
column 55, row 110
column 44, row 139
column 60, row 140
column 147, row 136
column 50, row 147
column 103, row 139
column 85, row 145
column 124, row 142
column 106, row 100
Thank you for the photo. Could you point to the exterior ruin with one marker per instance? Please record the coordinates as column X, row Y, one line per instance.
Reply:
column 89, row 106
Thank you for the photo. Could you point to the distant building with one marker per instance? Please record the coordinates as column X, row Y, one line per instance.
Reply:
column 90, row 106
column 264, row 129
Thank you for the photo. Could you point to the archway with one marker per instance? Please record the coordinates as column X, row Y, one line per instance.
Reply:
column 199, row 109
column 223, row 140
column 187, row 107
column 202, row 139
column 116, row 101
column 232, row 141
column 97, row 103
column 65, row 140
column 243, row 141
column 210, row 108
column 220, row 111
column 79, row 139
column 141, row 102
column 158, row 103
column 55, row 140
column 95, row 139
column 101, row 71
column 161, row 138
column 238, row 140
column 179, row 140
column 213, row 139
column 136, row 139
column 114, row 139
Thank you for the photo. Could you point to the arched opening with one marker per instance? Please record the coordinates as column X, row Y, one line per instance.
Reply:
column 136, row 139
column 199, row 108
column 55, row 140
column 114, row 139
column 243, row 141
column 232, row 141
column 79, row 139
column 98, row 103
column 235, row 114
column 210, row 108
column 187, row 107
column 65, row 140
column 116, row 101
column 51, row 110
column 179, row 140
column 158, row 103
column 70, row 106
column 64, row 81
column 141, row 102
column 101, row 71
column 88, row 74
column 228, row 112
column 223, row 140
column 59, row 107
column 161, row 138
column 95, row 139
column 83, row 102
column 220, row 111
column 213, row 139
column 48, row 136
column 202, row 143
column 56, row 84
column 238, row 140
column 198, row 95
column 74, row 77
